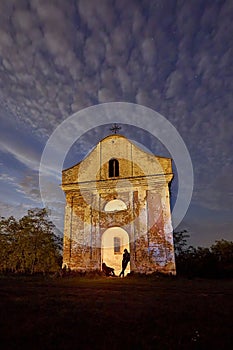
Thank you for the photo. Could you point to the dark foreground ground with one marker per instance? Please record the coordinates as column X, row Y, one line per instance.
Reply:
column 113, row 313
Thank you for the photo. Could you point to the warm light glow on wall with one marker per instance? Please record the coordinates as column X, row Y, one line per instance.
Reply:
column 109, row 256
column 115, row 205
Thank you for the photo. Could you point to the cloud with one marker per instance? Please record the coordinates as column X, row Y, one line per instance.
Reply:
column 23, row 145
column 58, row 57
column 7, row 178
column 22, row 154
column 17, row 210
column 218, row 193
column 97, row 18
column 29, row 186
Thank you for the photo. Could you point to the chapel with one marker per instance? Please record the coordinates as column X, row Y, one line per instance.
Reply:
column 118, row 197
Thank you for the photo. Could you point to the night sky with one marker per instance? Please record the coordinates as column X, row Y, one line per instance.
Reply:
column 58, row 57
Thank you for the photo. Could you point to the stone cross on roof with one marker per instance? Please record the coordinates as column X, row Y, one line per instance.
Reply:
column 115, row 128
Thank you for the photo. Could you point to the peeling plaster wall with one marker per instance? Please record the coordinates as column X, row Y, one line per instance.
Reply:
column 142, row 185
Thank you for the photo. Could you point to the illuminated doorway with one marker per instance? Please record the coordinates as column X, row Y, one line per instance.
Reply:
column 114, row 241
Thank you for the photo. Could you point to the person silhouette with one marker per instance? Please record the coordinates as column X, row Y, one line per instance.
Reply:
column 109, row 271
column 125, row 260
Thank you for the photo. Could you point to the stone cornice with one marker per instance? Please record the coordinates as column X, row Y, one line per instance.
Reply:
column 142, row 181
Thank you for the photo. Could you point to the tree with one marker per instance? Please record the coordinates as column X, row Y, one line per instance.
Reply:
column 180, row 241
column 222, row 250
column 30, row 245
column 8, row 230
column 216, row 261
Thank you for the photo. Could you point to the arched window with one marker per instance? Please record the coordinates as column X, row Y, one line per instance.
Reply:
column 113, row 168
column 115, row 205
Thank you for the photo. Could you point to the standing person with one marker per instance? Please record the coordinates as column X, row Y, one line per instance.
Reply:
column 125, row 260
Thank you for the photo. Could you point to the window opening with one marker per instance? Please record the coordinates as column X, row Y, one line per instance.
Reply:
column 117, row 245
column 113, row 168
column 115, row 205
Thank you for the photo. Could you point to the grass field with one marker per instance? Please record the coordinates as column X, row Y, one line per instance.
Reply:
column 113, row 313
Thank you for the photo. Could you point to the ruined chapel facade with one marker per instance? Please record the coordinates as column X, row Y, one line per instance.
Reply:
column 116, row 198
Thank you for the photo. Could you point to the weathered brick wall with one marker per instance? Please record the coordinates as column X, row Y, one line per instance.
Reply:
column 142, row 186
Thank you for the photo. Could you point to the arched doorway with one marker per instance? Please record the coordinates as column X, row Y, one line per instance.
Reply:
column 114, row 241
